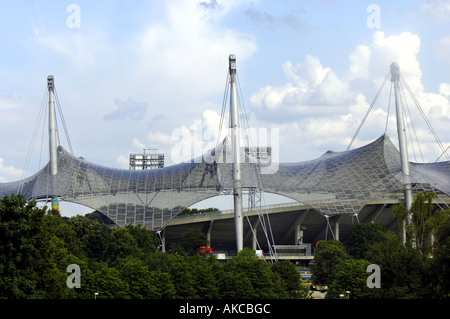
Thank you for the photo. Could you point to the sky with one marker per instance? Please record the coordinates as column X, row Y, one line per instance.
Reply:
column 134, row 75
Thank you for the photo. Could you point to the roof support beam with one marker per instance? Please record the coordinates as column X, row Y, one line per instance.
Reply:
column 235, row 140
column 395, row 78
column 52, row 141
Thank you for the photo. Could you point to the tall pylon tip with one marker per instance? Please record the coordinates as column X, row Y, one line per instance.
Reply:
column 395, row 72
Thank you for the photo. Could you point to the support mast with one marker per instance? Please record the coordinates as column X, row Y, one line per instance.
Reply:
column 235, row 140
column 52, row 141
column 395, row 78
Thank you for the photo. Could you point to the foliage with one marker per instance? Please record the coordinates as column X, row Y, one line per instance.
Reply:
column 411, row 270
column 403, row 268
column 425, row 221
column 191, row 240
column 329, row 254
column 99, row 217
column 248, row 277
column 27, row 251
column 362, row 236
column 289, row 275
column 439, row 273
column 190, row 211
column 38, row 244
column 350, row 278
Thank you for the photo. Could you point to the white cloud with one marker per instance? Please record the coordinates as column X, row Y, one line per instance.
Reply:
column 160, row 139
column 9, row 173
column 444, row 89
column 403, row 49
column 81, row 50
column 187, row 52
column 308, row 75
column 437, row 10
column 11, row 109
column 442, row 48
column 317, row 109
column 127, row 110
column 359, row 63
column 312, row 90
column 138, row 144
column 123, row 161
column 169, row 64
column 182, row 143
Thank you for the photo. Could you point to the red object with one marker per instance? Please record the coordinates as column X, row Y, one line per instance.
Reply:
column 204, row 249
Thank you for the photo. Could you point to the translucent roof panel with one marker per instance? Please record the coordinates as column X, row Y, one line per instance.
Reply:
column 335, row 183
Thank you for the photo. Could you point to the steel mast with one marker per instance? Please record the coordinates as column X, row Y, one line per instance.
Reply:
column 395, row 78
column 236, row 147
column 52, row 141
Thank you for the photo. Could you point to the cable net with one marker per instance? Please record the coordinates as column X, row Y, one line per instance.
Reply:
column 333, row 184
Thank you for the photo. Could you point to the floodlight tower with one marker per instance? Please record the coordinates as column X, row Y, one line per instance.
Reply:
column 236, row 147
column 395, row 78
column 52, row 141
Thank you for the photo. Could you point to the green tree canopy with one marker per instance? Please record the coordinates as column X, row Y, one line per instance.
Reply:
column 425, row 221
column 439, row 274
column 402, row 269
column 362, row 236
column 27, row 250
column 291, row 279
column 37, row 245
column 350, row 279
column 192, row 239
column 247, row 276
column 329, row 254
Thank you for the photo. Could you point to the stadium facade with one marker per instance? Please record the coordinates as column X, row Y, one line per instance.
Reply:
column 335, row 184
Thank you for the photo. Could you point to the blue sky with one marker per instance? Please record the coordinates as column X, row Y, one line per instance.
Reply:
column 131, row 73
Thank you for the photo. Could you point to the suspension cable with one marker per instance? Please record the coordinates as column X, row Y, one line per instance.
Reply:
column 33, row 140
column 444, row 152
column 58, row 104
column 43, row 135
column 413, row 129
column 389, row 108
column 266, row 226
column 426, row 119
column 222, row 112
column 42, row 114
column 368, row 111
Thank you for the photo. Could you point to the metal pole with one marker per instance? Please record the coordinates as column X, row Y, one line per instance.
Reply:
column 395, row 78
column 235, row 140
column 52, row 141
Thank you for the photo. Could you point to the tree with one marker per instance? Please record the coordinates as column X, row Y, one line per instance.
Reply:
column 425, row 221
column 247, row 276
column 182, row 277
column 207, row 274
column 350, row 279
column 329, row 254
column 52, row 275
column 97, row 241
column 163, row 286
column 189, row 211
column 63, row 231
column 439, row 274
column 291, row 279
column 107, row 282
column 99, row 217
column 146, row 241
column 191, row 240
column 28, row 251
column 402, row 269
column 139, row 278
column 362, row 236
column 121, row 244
column 94, row 237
